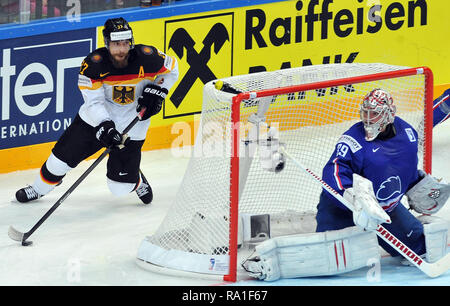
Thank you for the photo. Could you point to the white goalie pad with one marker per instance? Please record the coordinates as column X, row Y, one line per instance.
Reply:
column 313, row 254
column 435, row 230
column 428, row 195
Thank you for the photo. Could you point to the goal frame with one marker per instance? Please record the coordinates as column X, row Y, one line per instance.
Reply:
column 235, row 137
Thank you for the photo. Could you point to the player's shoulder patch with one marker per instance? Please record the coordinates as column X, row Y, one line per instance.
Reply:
column 149, row 57
column 97, row 56
column 146, row 50
column 351, row 142
column 94, row 65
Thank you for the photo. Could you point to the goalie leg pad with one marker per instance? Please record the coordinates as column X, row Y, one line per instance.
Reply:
column 428, row 195
column 314, row 254
column 436, row 234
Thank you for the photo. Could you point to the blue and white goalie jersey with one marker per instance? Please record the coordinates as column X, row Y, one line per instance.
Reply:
column 390, row 164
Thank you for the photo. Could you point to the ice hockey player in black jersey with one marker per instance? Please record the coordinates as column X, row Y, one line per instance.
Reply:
column 116, row 81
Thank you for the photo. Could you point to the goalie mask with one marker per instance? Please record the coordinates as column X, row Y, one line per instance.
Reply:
column 376, row 112
column 117, row 29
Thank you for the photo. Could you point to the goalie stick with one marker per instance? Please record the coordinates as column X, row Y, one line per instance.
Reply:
column 22, row 237
column 431, row 269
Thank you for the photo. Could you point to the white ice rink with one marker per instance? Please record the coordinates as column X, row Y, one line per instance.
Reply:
column 93, row 237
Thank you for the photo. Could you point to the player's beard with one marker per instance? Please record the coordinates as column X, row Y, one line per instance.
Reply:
column 120, row 60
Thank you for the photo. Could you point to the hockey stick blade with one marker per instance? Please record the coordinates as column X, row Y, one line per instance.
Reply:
column 15, row 234
column 437, row 268
column 430, row 269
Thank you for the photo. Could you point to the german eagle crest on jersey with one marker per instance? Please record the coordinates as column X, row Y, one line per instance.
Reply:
column 123, row 94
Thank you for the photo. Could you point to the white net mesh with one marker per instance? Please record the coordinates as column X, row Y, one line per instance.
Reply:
column 309, row 124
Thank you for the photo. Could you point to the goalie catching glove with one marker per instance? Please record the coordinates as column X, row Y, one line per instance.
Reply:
column 367, row 212
column 428, row 195
column 152, row 99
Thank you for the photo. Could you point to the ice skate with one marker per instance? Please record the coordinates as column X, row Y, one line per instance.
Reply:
column 27, row 194
column 144, row 191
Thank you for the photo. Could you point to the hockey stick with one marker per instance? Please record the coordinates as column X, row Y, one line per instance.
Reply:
column 19, row 236
column 431, row 269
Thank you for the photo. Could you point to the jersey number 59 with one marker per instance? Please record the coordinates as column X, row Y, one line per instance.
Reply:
column 341, row 149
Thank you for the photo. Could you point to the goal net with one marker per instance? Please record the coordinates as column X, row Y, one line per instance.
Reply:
column 308, row 109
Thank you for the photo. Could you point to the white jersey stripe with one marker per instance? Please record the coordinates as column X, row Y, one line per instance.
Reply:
column 336, row 175
column 440, row 101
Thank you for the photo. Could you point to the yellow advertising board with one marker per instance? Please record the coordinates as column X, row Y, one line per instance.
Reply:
column 291, row 34
column 299, row 33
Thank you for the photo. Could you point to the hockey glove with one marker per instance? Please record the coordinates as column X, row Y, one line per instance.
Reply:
column 367, row 212
column 152, row 99
column 107, row 134
column 428, row 195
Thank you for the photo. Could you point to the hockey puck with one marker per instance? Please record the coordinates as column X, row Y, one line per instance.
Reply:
column 27, row 243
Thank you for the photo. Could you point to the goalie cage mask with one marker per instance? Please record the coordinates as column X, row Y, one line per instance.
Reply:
column 376, row 112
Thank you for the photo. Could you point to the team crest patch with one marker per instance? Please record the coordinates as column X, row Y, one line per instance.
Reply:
column 96, row 58
column 123, row 94
column 434, row 194
column 147, row 50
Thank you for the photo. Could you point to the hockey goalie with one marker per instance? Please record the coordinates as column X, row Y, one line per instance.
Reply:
column 374, row 164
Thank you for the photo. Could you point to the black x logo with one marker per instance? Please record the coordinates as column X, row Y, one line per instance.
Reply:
column 198, row 62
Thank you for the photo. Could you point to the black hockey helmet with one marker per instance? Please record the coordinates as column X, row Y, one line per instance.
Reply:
column 117, row 29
